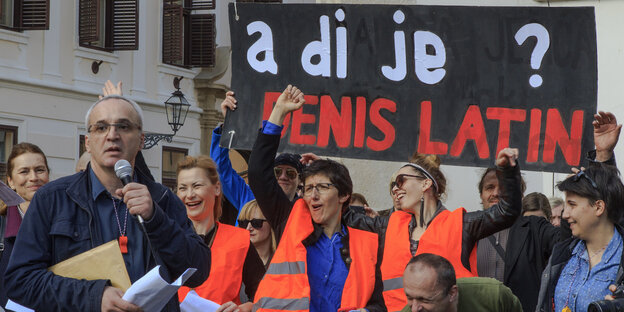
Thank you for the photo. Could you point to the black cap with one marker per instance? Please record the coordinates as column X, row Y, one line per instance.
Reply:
column 289, row 160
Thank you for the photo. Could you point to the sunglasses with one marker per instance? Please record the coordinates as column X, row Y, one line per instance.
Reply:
column 290, row 172
column 400, row 179
column 255, row 223
column 582, row 174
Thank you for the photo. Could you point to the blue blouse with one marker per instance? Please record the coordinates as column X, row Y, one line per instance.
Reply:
column 578, row 285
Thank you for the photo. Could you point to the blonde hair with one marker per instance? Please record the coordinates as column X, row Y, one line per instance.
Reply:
column 209, row 166
column 248, row 210
column 431, row 163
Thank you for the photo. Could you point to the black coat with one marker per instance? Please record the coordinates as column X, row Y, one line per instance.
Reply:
column 530, row 243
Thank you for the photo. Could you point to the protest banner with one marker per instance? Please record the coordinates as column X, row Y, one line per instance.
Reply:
column 383, row 81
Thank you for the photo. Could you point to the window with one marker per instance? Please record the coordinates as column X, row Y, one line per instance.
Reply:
column 188, row 33
column 170, row 158
column 8, row 138
column 108, row 24
column 25, row 14
column 259, row 1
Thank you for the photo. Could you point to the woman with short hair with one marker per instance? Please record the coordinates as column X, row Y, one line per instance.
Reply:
column 582, row 267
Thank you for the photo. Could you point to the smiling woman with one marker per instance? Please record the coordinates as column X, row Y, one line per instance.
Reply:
column 581, row 268
column 233, row 259
column 27, row 171
column 421, row 223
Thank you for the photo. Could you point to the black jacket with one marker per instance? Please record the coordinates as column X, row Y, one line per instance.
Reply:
column 531, row 240
column 276, row 206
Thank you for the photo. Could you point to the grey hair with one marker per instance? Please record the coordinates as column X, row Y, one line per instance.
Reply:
column 134, row 104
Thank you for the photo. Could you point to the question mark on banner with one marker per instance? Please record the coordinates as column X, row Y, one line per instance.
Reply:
column 543, row 43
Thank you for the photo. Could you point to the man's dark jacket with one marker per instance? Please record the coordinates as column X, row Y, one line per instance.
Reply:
column 531, row 240
column 59, row 225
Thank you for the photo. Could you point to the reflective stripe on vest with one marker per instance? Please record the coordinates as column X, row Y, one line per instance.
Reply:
column 298, row 267
column 442, row 237
column 285, row 285
column 228, row 253
column 300, row 304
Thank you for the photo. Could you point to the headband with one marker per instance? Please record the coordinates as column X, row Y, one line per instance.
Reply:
column 425, row 172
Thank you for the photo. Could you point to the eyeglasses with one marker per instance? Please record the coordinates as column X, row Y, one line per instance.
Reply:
column 400, row 179
column 255, row 223
column 101, row 128
column 290, row 172
column 321, row 188
column 582, row 174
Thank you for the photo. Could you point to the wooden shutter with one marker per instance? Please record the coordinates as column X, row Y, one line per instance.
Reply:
column 35, row 14
column 202, row 40
column 125, row 25
column 202, row 5
column 88, row 21
column 172, row 34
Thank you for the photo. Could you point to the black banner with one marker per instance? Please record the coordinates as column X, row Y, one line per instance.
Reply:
column 383, row 81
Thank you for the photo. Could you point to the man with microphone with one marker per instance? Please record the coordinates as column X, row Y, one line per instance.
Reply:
column 77, row 213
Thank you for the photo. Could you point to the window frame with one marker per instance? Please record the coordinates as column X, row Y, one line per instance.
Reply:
column 170, row 182
column 180, row 44
column 118, row 14
column 4, row 165
column 25, row 15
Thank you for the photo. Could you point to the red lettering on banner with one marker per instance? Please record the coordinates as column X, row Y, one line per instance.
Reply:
column 556, row 134
column 338, row 123
column 472, row 128
column 298, row 119
column 360, row 122
column 535, row 130
column 505, row 116
column 382, row 124
column 425, row 145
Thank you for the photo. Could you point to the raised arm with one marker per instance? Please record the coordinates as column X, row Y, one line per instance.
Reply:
column 502, row 215
column 274, row 204
column 606, row 136
column 233, row 185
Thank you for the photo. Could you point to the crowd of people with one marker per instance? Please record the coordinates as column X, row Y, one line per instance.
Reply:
column 303, row 240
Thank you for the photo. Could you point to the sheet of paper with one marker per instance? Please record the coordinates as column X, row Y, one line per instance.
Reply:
column 14, row 306
column 194, row 303
column 151, row 292
column 8, row 196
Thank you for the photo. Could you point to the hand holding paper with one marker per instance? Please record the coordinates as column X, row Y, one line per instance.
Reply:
column 151, row 292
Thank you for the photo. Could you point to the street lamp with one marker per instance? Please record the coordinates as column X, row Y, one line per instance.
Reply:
column 176, row 107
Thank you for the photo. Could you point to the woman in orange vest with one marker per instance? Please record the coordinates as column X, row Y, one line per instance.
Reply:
column 233, row 259
column 422, row 224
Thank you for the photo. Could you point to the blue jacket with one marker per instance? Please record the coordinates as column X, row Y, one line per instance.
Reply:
column 59, row 225
column 233, row 185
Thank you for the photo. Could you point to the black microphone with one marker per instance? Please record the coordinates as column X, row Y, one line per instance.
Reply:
column 123, row 170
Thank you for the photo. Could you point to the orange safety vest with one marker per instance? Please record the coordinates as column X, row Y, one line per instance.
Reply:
column 227, row 253
column 285, row 285
column 442, row 237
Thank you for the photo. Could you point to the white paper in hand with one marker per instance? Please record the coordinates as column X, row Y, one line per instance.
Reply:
column 14, row 306
column 151, row 292
column 8, row 196
column 194, row 303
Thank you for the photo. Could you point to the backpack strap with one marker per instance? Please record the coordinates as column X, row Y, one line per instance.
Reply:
column 2, row 229
column 497, row 246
